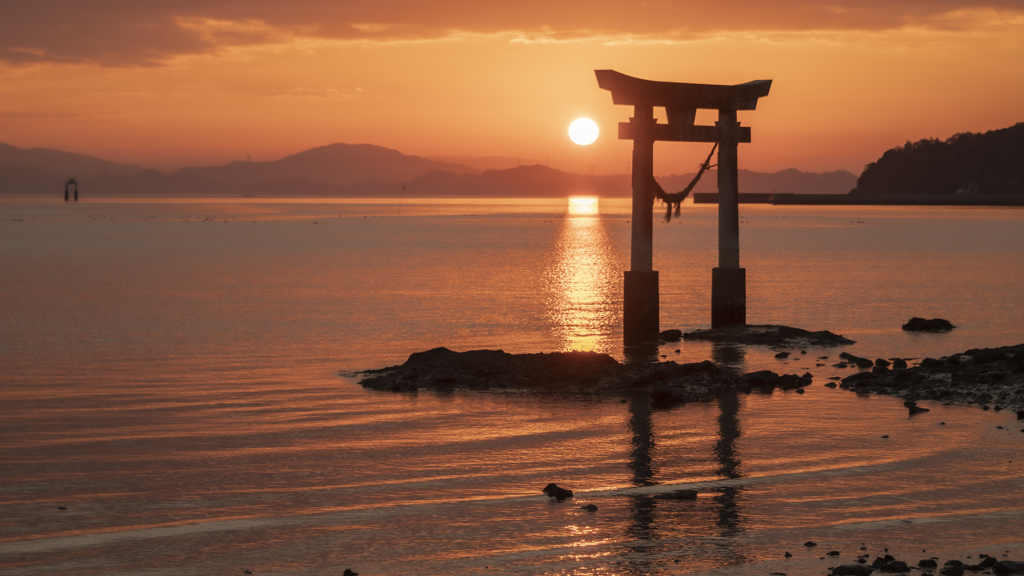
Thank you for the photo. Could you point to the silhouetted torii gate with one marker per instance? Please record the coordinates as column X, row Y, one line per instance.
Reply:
column 681, row 102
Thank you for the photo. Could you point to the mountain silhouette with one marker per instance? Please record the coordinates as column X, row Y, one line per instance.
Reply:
column 354, row 170
column 336, row 164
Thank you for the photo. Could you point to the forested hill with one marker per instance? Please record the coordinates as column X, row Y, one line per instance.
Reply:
column 989, row 163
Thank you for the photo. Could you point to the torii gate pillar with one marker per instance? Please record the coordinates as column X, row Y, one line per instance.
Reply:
column 728, row 280
column 681, row 102
column 640, row 291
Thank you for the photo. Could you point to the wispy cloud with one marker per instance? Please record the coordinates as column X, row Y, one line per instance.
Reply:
column 316, row 94
column 133, row 33
column 38, row 115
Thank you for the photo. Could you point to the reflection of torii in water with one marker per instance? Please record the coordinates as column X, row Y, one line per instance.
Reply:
column 71, row 183
column 642, row 507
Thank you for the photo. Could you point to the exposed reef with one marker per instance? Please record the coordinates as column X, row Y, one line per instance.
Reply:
column 559, row 373
column 916, row 324
column 989, row 377
column 992, row 378
column 769, row 335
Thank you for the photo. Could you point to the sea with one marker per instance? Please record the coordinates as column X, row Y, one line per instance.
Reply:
column 179, row 390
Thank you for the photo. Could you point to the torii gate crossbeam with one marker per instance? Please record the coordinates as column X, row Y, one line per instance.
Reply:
column 681, row 102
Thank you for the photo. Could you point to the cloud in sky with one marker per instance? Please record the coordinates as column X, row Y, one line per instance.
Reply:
column 133, row 33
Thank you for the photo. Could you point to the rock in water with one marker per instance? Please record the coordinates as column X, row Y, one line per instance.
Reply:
column 761, row 378
column 914, row 408
column 556, row 492
column 916, row 324
column 677, row 495
column 851, row 569
column 768, row 335
column 896, row 566
column 671, row 335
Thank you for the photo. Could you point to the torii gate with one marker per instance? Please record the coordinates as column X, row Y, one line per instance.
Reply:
column 681, row 101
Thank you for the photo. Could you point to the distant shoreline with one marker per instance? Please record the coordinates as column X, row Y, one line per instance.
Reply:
column 849, row 200
column 698, row 198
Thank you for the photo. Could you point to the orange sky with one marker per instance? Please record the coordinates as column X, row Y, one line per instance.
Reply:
column 188, row 82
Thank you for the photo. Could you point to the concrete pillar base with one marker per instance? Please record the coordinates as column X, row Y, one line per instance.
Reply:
column 728, row 297
column 640, row 307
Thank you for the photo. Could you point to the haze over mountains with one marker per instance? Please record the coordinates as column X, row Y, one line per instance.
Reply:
column 357, row 170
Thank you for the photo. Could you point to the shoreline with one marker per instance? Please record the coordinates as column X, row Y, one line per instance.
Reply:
column 787, row 199
column 988, row 378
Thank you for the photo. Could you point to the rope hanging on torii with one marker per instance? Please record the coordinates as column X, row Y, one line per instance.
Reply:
column 676, row 199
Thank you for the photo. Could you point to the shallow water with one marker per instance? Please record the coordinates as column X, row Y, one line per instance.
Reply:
column 169, row 370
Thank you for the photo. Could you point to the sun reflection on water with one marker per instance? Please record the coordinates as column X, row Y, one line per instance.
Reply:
column 583, row 206
column 583, row 282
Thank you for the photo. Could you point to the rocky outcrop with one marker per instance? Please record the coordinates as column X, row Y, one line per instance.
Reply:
column 562, row 373
column 769, row 335
column 982, row 376
column 934, row 325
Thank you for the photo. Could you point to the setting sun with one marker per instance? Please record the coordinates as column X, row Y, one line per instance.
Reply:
column 583, row 131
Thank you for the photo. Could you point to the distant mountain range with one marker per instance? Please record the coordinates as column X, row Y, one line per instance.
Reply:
column 357, row 170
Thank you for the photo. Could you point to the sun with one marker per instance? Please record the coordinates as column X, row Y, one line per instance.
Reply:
column 583, row 131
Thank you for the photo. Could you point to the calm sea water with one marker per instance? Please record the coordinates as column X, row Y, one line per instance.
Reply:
column 169, row 374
